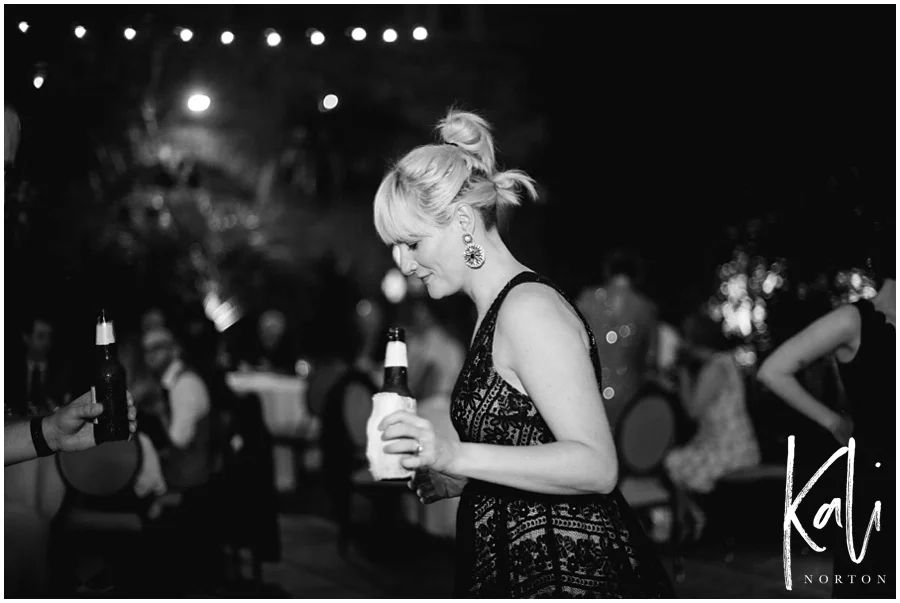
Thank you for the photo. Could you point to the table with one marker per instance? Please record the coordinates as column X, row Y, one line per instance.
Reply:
column 285, row 413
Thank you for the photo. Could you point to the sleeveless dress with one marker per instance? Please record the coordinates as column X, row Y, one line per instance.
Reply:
column 869, row 381
column 513, row 543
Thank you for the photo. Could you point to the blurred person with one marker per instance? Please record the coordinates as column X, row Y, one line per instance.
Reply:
column 272, row 351
column 435, row 356
column 152, row 318
column 183, row 514
column 862, row 338
column 626, row 321
column 70, row 428
column 183, row 438
column 713, row 395
column 40, row 384
column 532, row 443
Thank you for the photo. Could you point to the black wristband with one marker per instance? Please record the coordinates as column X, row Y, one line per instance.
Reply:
column 37, row 436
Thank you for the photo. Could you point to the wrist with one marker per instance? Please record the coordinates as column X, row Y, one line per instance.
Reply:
column 51, row 434
column 457, row 465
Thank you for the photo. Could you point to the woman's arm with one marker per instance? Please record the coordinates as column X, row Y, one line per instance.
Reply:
column 539, row 339
column 837, row 331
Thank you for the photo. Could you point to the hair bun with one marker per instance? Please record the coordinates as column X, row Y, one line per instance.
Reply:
column 472, row 134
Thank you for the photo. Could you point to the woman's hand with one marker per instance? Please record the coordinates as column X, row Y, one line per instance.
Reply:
column 431, row 486
column 842, row 429
column 411, row 435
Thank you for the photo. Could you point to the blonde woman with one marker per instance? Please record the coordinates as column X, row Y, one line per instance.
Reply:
column 532, row 457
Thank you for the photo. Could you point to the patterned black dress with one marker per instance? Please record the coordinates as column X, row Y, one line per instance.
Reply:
column 517, row 544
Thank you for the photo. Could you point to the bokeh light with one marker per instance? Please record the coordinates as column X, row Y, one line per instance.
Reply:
column 317, row 38
column 80, row 31
column 129, row 33
column 227, row 37
column 420, row 33
column 330, row 102
column 389, row 35
column 198, row 103
column 186, row 35
column 358, row 34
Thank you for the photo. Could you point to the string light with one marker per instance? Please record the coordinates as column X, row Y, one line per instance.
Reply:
column 80, row 31
column 389, row 35
column 38, row 81
column 185, row 34
column 130, row 33
column 420, row 33
column 272, row 38
column 330, row 102
column 23, row 26
column 317, row 38
column 358, row 34
column 227, row 37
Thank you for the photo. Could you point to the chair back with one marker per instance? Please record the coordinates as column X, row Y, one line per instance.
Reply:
column 105, row 470
column 645, row 432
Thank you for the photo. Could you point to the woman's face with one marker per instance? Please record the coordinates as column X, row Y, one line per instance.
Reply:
column 436, row 258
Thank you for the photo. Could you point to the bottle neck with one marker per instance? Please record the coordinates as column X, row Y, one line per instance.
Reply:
column 107, row 351
column 395, row 369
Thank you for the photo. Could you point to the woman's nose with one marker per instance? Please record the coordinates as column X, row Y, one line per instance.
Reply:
column 407, row 265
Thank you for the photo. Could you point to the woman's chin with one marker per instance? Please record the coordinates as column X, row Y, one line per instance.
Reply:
column 435, row 291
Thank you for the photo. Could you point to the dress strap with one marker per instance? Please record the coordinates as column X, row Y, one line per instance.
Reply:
column 489, row 324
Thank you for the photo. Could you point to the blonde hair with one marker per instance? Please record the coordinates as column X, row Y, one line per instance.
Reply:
column 421, row 190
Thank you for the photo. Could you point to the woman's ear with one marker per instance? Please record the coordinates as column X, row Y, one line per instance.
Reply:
column 465, row 217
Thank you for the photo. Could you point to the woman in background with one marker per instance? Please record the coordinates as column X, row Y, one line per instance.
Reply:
column 862, row 337
column 712, row 394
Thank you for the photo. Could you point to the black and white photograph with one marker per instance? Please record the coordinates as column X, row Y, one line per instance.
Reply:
column 351, row 301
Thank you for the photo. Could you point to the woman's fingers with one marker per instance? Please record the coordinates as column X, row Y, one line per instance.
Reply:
column 401, row 430
column 402, row 446
column 405, row 417
column 412, row 462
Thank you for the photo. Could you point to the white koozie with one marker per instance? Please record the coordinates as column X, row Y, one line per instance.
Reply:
column 383, row 465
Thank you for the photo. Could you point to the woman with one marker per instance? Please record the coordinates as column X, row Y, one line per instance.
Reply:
column 533, row 458
column 862, row 337
column 712, row 394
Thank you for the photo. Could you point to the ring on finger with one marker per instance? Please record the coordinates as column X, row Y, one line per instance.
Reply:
column 418, row 447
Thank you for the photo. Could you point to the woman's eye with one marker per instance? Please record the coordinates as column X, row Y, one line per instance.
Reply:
column 413, row 246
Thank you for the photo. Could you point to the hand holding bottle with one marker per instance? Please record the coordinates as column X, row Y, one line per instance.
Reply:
column 415, row 438
column 71, row 428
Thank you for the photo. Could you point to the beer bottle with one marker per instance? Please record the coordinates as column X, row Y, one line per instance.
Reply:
column 394, row 396
column 109, row 385
column 396, row 365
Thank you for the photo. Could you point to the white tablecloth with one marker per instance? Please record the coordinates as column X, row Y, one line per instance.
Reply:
column 285, row 414
column 283, row 400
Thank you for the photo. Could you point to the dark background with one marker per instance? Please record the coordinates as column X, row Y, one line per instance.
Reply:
column 681, row 133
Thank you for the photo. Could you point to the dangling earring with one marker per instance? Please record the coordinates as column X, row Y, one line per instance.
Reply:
column 474, row 253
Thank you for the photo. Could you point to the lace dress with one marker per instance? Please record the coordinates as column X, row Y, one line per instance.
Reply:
column 513, row 543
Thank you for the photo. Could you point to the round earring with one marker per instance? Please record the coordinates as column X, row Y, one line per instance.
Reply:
column 474, row 253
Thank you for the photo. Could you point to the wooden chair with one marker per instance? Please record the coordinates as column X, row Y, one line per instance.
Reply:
column 345, row 465
column 645, row 432
column 100, row 515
